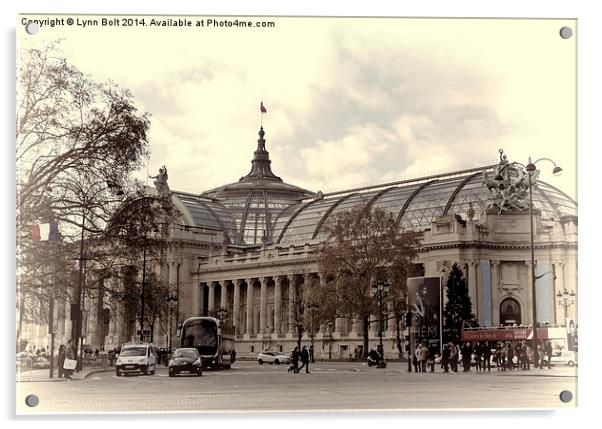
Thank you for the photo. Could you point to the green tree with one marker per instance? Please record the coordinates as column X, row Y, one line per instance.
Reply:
column 363, row 246
column 458, row 306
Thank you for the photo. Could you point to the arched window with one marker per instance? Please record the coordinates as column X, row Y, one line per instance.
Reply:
column 510, row 312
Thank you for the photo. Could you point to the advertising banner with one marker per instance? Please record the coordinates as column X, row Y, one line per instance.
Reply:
column 424, row 300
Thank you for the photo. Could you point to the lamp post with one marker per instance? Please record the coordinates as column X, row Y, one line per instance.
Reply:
column 171, row 298
column 378, row 291
column 312, row 306
column 565, row 300
column 531, row 168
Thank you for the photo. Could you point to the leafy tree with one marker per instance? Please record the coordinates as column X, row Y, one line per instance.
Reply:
column 458, row 307
column 364, row 245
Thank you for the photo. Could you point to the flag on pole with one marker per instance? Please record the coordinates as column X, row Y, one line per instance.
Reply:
column 45, row 232
column 262, row 108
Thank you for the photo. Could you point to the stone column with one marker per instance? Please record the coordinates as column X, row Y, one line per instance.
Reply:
column 224, row 295
column 291, row 305
column 201, row 288
column 173, row 274
column 472, row 286
column 211, row 306
column 277, row 304
column 236, row 315
column 495, row 292
column 249, row 306
column 263, row 304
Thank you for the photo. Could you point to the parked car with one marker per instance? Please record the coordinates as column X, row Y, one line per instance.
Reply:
column 272, row 357
column 186, row 361
column 136, row 358
column 564, row 357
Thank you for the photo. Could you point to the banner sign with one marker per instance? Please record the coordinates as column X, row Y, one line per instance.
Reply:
column 504, row 334
column 424, row 300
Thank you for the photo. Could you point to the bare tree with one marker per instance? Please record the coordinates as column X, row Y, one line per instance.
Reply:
column 364, row 245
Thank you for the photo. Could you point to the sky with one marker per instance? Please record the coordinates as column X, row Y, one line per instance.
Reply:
column 350, row 101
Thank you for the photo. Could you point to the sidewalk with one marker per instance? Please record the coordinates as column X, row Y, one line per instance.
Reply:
column 43, row 375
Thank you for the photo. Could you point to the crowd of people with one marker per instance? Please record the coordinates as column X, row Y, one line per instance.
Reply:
column 505, row 355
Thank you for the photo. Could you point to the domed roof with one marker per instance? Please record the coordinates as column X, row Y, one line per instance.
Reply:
column 257, row 199
column 414, row 203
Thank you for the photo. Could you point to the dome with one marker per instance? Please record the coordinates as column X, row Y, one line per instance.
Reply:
column 257, row 199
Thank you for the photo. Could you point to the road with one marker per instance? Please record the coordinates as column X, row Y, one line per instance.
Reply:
column 330, row 386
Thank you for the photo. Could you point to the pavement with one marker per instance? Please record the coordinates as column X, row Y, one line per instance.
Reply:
column 330, row 386
column 43, row 375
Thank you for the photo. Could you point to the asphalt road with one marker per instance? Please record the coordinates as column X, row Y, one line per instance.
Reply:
column 330, row 386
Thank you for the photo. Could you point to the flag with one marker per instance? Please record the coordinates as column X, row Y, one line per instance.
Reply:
column 45, row 232
column 262, row 108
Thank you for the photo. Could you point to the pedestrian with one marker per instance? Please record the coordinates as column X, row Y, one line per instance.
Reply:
column 416, row 358
column 548, row 351
column 69, row 354
column 509, row 356
column 431, row 359
column 466, row 355
column 445, row 355
column 540, row 355
column 477, row 356
column 295, row 359
column 424, row 354
column 486, row 356
column 61, row 361
column 305, row 360
column 453, row 358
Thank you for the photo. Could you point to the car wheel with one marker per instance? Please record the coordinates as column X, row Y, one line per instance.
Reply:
column 277, row 362
column 118, row 373
column 260, row 361
column 171, row 374
column 146, row 370
column 571, row 363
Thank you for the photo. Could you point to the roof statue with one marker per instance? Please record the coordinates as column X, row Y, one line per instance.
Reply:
column 161, row 182
column 509, row 186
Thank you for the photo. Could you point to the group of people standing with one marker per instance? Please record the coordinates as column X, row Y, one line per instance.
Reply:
column 505, row 355
column 297, row 355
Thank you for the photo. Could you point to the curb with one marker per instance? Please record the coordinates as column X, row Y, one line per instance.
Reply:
column 95, row 371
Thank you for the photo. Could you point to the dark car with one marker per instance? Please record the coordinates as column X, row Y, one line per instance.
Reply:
column 186, row 361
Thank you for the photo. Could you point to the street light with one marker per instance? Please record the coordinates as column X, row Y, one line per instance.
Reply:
column 565, row 300
column 172, row 297
column 530, row 167
column 311, row 307
column 378, row 291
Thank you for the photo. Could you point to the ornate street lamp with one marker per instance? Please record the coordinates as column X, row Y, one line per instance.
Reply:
column 531, row 169
column 171, row 298
column 565, row 300
column 379, row 290
column 311, row 307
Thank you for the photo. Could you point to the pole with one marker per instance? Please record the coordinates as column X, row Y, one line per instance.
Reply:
column 51, row 322
column 312, row 335
column 440, row 316
column 78, row 294
column 533, row 278
column 142, row 292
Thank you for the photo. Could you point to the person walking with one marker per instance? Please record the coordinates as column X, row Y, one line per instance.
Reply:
column 477, row 356
column 445, row 355
column 548, row 351
column 69, row 354
column 295, row 359
column 453, row 358
column 540, row 356
column 466, row 355
column 424, row 354
column 486, row 356
column 61, row 361
column 416, row 358
column 305, row 360
column 430, row 361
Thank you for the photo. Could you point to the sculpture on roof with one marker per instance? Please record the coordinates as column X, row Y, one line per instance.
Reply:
column 509, row 186
column 161, row 182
